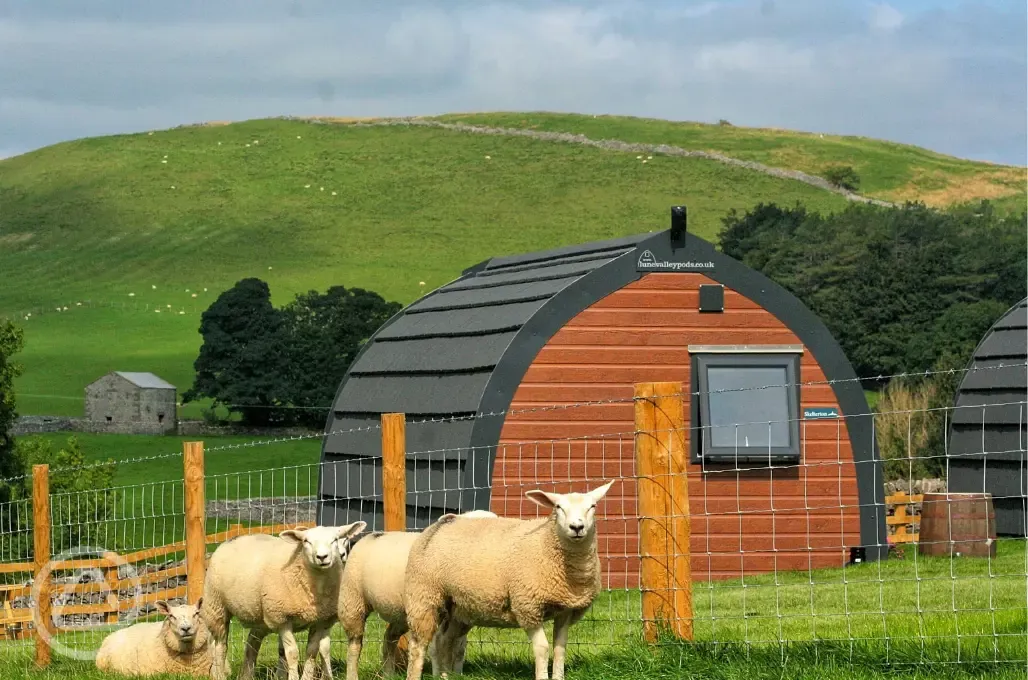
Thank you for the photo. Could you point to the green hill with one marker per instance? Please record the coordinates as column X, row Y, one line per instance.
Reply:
column 136, row 234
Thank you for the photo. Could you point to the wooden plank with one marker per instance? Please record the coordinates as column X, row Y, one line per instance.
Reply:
column 664, row 526
column 394, row 471
column 41, row 557
column 16, row 567
column 196, row 538
column 678, row 336
column 756, row 321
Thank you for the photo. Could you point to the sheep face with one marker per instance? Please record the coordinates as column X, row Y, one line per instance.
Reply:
column 325, row 547
column 184, row 620
column 575, row 513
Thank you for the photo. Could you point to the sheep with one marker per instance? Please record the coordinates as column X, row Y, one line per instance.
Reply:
column 506, row 573
column 373, row 582
column 178, row 644
column 281, row 583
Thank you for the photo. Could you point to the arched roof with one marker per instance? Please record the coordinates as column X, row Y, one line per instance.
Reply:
column 462, row 350
column 996, row 381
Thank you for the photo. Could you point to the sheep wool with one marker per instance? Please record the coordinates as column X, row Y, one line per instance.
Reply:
column 373, row 581
column 505, row 573
column 179, row 644
column 282, row 584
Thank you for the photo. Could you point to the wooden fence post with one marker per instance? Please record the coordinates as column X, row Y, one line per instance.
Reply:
column 196, row 534
column 41, row 557
column 394, row 485
column 664, row 524
column 394, row 471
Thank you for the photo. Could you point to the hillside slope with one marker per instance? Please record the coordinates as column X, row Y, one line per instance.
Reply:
column 136, row 234
column 889, row 171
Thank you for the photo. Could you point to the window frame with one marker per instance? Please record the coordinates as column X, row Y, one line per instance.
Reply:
column 734, row 356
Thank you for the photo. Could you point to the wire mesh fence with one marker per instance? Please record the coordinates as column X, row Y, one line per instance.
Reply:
column 909, row 545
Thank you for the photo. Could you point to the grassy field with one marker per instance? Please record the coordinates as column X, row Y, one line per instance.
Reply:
column 861, row 622
column 890, row 171
column 132, row 236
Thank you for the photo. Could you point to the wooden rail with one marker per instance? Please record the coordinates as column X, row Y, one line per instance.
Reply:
column 904, row 522
column 14, row 620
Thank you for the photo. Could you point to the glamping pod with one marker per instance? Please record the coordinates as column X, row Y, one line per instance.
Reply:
column 988, row 432
column 493, row 368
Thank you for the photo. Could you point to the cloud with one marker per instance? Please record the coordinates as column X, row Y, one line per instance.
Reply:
column 947, row 76
column 885, row 18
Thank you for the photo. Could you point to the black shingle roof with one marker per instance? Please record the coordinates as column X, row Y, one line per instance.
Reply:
column 999, row 386
column 434, row 360
column 452, row 361
column 988, row 439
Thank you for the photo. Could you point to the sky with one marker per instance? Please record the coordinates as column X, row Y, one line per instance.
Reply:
column 948, row 75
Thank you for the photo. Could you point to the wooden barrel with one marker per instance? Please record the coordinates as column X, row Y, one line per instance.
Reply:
column 957, row 524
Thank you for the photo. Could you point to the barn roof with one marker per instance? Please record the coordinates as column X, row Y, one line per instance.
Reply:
column 454, row 357
column 145, row 380
column 994, row 398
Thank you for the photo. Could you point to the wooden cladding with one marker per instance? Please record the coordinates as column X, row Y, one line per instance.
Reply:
column 641, row 333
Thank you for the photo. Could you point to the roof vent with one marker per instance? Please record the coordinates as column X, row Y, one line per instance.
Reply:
column 678, row 220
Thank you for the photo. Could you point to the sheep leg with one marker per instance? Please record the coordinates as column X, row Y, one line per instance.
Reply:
column 391, row 648
column 292, row 652
column 460, row 645
column 423, row 623
column 219, row 623
column 315, row 636
column 252, row 649
column 541, row 649
column 325, row 650
column 561, row 626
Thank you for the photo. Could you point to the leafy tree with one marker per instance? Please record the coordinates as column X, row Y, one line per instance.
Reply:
column 81, row 518
column 325, row 333
column 843, row 176
column 11, row 342
column 900, row 288
column 242, row 360
column 261, row 361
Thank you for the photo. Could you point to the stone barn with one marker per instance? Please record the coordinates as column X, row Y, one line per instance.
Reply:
column 470, row 363
column 131, row 403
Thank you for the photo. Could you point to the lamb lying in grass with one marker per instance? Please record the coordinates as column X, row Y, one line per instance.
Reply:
column 178, row 644
column 373, row 582
column 282, row 584
column 505, row 573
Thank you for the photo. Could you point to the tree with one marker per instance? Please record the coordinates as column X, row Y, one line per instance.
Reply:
column 326, row 331
column 843, row 176
column 243, row 358
column 11, row 342
column 81, row 520
column 901, row 288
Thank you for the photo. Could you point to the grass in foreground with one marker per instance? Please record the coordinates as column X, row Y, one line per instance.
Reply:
column 824, row 624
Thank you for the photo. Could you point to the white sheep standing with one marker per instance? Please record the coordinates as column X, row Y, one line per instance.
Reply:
column 282, row 584
column 373, row 582
column 178, row 644
column 506, row 573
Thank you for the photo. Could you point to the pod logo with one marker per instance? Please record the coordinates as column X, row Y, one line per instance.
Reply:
column 88, row 585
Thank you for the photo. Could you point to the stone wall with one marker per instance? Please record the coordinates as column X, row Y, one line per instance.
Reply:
column 28, row 425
